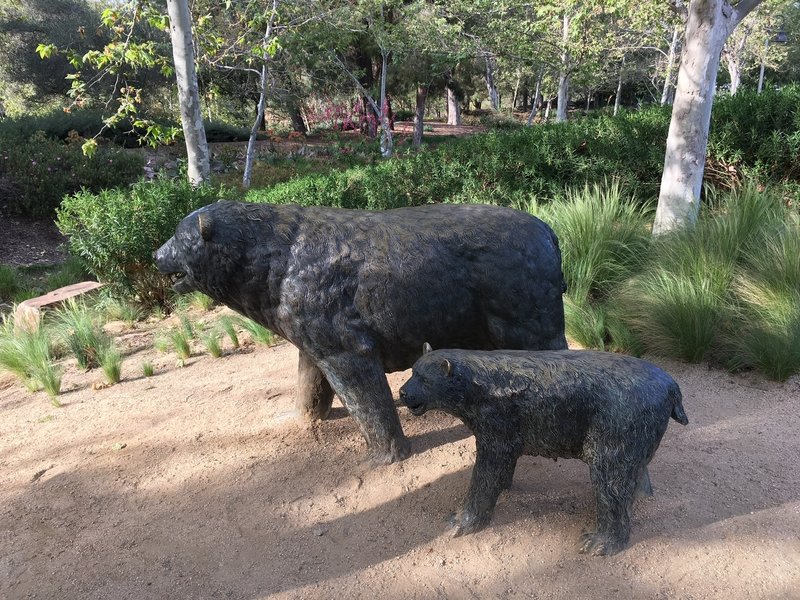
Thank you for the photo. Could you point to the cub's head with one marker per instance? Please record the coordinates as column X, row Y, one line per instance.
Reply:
column 205, row 251
column 439, row 380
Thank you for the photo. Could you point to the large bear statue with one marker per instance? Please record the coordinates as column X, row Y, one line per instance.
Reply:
column 358, row 292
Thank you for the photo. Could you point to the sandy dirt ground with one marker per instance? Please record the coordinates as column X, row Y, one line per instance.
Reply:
column 200, row 483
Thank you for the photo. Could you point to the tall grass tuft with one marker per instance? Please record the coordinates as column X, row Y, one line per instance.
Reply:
column 766, row 311
column 27, row 354
column 123, row 310
column 111, row 363
column 258, row 333
column 81, row 331
column 210, row 340
column 603, row 237
column 187, row 327
column 228, row 325
column 692, row 289
column 180, row 342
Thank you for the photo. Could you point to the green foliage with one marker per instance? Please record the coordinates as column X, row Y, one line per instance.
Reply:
column 115, row 233
column 111, row 363
column 499, row 167
column 603, row 237
column 39, row 171
column 725, row 290
column 121, row 310
column 766, row 309
column 228, row 326
column 147, row 369
column 258, row 333
column 211, row 340
column 9, row 283
column 180, row 343
column 28, row 354
column 82, row 333
column 756, row 135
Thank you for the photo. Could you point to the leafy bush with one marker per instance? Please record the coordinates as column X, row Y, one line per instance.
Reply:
column 39, row 171
column 115, row 233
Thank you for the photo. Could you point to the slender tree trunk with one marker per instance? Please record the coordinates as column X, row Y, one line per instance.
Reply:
column 188, row 94
column 709, row 24
column 547, row 110
column 387, row 142
column 536, row 104
column 453, row 107
column 673, row 49
column 419, row 116
column 618, row 98
column 761, row 69
column 735, row 72
column 563, row 75
column 264, row 80
column 491, row 87
column 516, row 90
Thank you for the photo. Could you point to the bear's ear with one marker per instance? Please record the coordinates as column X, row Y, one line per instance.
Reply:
column 426, row 347
column 447, row 368
column 204, row 224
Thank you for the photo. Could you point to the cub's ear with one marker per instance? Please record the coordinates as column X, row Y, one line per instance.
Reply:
column 426, row 347
column 204, row 224
column 447, row 368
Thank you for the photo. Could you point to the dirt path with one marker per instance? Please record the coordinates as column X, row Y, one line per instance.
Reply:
column 199, row 483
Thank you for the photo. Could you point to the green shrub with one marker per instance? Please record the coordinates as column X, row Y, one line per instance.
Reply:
column 41, row 171
column 115, row 233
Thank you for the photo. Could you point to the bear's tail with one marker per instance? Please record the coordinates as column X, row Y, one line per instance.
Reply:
column 677, row 405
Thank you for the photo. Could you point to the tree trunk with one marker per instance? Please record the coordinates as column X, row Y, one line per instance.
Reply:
column 735, row 72
column 547, row 110
column 387, row 142
column 249, row 158
column 188, row 94
column 709, row 24
column 563, row 76
column 673, row 49
column 536, row 104
column 491, row 87
column 453, row 107
column 419, row 117
column 296, row 116
column 618, row 98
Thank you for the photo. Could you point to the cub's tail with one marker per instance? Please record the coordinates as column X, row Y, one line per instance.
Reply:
column 677, row 405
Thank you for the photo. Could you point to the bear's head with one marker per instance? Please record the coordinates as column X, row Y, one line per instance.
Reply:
column 439, row 380
column 206, row 251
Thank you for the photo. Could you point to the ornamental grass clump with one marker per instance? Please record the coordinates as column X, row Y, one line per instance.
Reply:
column 81, row 331
column 28, row 354
column 258, row 333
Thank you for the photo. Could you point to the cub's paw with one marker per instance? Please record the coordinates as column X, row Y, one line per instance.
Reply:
column 600, row 544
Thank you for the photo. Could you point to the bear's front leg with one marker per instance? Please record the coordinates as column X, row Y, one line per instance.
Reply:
column 493, row 472
column 361, row 384
column 314, row 395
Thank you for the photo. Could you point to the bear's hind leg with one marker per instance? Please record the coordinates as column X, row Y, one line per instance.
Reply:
column 614, row 486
